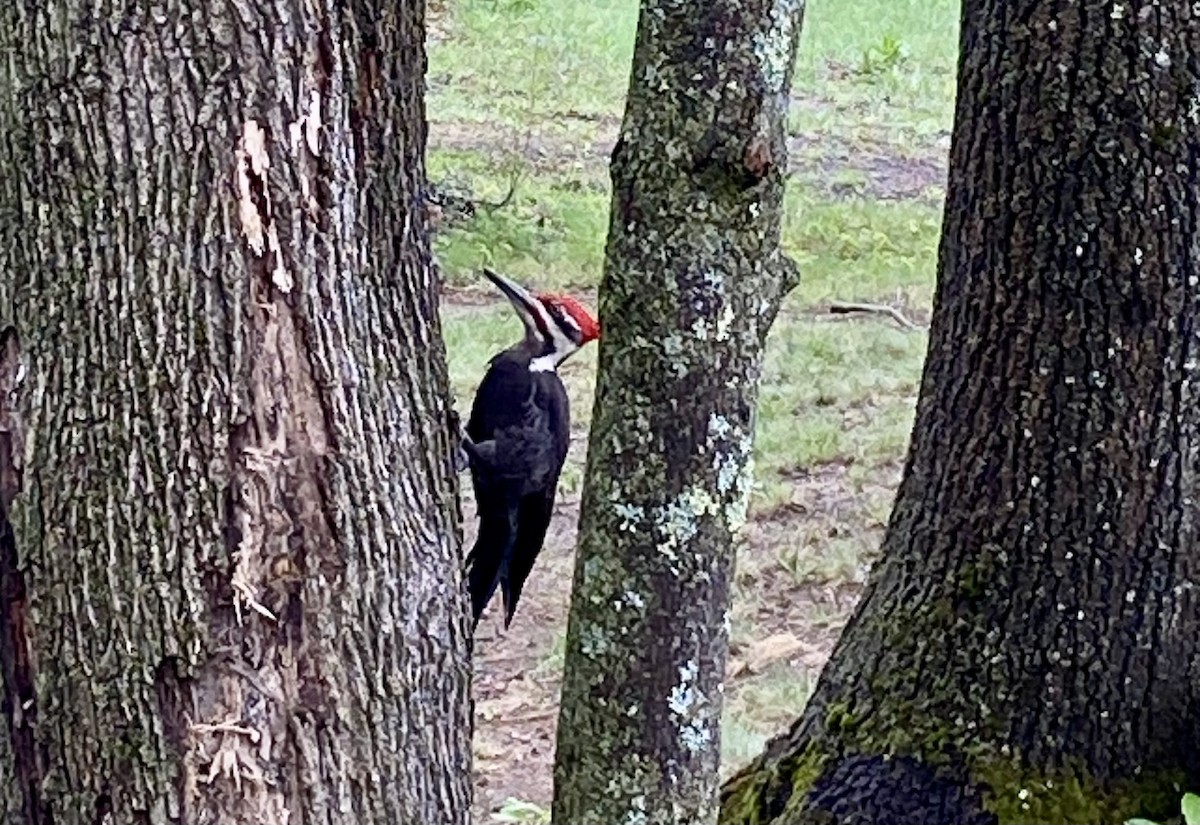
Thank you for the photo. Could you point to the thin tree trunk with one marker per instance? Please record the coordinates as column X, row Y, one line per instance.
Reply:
column 692, row 281
column 1025, row 650
column 237, row 533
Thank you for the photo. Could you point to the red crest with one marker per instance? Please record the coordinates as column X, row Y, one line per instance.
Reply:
column 588, row 325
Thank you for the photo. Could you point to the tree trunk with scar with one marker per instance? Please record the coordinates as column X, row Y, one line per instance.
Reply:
column 234, row 588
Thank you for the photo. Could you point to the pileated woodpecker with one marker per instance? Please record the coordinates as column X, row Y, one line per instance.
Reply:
column 517, row 441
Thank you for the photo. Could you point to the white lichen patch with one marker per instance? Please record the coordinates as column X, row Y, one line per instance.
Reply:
column 592, row 641
column 725, row 323
column 631, row 516
column 672, row 346
column 718, row 427
column 773, row 44
column 687, row 706
column 678, row 521
column 733, row 462
column 683, row 697
column 730, row 467
column 714, row 282
column 696, row 736
column 673, row 349
column 637, row 811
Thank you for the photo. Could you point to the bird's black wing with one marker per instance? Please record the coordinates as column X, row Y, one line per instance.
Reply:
column 537, row 505
column 501, row 398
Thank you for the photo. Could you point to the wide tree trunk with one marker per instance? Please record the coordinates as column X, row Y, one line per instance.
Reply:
column 692, row 281
column 1026, row 649
column 237, row 595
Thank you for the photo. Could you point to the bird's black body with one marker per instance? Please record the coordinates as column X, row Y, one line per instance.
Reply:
column 519, row 432
column 516, row 442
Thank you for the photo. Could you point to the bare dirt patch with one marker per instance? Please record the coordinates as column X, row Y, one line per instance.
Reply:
column 868, row 167
column 872, row 169
column 517, row 678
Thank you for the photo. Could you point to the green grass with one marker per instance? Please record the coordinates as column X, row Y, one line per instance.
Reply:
column 844, row 62
column 560, row 66
column 551, row 234
column 519, row 61
column 860, row 249
column 560, row 69
column 758, row 709
column 833, row 392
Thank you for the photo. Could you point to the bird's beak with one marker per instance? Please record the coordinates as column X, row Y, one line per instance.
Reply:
column 519, row 295
column 524, row 301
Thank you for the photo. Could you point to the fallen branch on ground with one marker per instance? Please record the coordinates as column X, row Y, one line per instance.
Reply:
column 847, row 307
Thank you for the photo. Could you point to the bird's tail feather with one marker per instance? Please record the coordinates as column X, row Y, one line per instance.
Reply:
column 488, row 564
column 510, row 594
column 483, row 579
column 512, row 582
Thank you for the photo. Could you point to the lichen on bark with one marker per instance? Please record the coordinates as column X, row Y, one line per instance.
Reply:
column 693, row 279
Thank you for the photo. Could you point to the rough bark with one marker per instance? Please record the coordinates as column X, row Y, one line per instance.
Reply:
column 237, row 532
column 1025, row 648
column 692, row 281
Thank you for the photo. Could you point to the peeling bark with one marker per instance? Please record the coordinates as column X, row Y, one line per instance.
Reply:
column 237, row 534
column 692, row 282
column 1025, row 650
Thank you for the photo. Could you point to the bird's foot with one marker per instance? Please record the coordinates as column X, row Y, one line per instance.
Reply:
column 461, row 458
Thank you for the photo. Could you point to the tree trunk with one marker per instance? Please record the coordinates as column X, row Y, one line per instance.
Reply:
column 692, row 281
column 237, row 536
column 1025, row 651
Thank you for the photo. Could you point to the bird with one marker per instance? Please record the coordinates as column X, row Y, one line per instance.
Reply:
column 516, row 441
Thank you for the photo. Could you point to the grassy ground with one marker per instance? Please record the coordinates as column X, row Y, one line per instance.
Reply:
column 526, row 97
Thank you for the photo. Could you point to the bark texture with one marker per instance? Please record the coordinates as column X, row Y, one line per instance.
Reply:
column 1025, row 651
column 693, row 279
column 237, row 534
